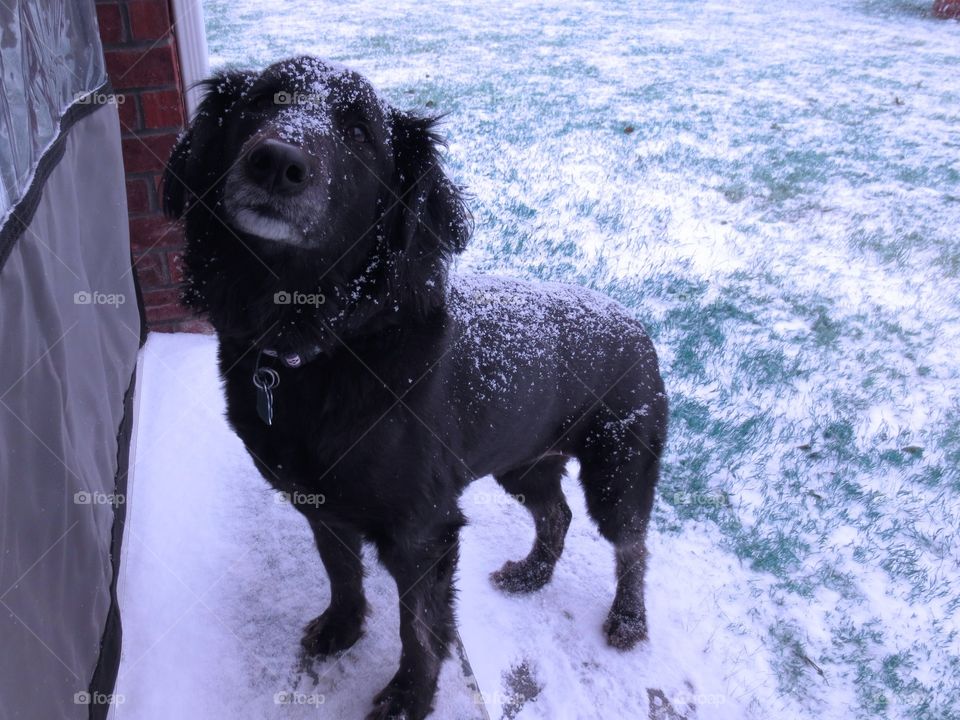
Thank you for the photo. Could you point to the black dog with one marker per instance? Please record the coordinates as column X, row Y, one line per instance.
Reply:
column 320, row 227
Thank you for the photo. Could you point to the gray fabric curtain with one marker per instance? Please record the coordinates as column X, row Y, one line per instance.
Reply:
column 70, row 330
column 50, row 56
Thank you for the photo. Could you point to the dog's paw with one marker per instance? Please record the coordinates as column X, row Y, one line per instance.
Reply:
column 524, row 576
column 625, row 630
column 331, row 633
column 398, row 701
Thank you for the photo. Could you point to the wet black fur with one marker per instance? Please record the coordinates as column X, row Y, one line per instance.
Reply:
column 396, row 415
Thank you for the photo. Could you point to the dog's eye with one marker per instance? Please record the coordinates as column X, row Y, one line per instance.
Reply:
column 358, row 134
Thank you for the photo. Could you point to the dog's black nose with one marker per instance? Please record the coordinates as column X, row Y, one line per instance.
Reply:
column 278, row 167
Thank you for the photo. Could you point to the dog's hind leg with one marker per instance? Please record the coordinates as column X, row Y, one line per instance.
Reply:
column 341, row 624
column 537, row 487
column 619, row 493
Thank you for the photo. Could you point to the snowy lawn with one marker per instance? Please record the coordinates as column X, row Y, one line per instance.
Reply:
column 775, row 191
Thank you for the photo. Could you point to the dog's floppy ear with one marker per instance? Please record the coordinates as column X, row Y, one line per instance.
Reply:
column 196, row 161
column 432, row 213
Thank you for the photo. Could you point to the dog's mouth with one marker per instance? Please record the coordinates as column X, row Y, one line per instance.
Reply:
column 265, row 223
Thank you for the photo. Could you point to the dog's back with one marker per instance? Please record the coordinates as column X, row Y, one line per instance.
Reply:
column 537, row 362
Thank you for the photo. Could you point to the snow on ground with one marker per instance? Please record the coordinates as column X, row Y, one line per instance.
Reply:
column 774, row 189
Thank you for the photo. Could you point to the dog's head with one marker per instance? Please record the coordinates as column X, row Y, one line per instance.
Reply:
column 304, row 170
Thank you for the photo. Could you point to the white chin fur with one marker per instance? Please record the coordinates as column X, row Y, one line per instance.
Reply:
column 250, row 221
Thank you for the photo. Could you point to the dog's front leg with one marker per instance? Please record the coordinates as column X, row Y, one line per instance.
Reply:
column 341, row 624
column 423, row 569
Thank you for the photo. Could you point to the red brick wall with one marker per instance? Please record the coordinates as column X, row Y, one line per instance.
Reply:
column 946, row 8
column 141, row 55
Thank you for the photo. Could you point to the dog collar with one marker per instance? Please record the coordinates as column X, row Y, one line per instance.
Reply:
column 293, row 360
column 266, row 379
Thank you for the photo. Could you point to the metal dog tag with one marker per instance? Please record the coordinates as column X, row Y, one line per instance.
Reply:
column 265, row 380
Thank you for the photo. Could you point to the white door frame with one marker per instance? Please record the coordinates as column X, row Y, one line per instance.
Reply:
column 191, row 38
